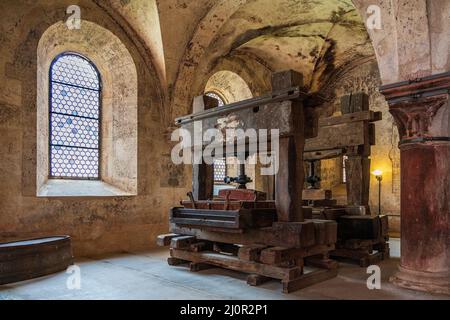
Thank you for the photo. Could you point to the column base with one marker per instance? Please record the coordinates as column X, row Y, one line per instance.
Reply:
column 438, row 283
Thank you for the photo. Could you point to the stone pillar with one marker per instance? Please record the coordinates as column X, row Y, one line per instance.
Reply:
column 421, row 111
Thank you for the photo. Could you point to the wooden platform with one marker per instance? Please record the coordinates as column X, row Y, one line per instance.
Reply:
column 261, row 262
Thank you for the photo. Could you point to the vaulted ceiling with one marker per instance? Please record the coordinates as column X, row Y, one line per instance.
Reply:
column 314, row 37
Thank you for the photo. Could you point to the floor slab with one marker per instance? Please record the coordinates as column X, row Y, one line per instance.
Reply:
column 146, row 275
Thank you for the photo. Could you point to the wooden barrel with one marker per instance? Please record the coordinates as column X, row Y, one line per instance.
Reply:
column 28, row 259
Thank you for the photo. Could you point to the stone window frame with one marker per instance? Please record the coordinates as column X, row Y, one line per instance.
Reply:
column 119, row 121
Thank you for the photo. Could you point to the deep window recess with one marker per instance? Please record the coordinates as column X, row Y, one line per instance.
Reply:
column 75, row 95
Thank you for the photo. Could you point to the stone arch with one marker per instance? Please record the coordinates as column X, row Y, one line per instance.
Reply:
column 118, row 167
column 228, row 85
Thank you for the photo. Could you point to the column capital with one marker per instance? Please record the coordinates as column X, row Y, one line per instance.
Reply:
column 420, row 108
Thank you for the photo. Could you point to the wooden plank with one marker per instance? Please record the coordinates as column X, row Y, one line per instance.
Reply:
column 302, row 237
column 322, row 155
column 182, row 242
column 350, row 117
column 349, row 134
column 308, row 279
column 164, row 240
column 199, row 223
column 316, row 194
column 233, row 263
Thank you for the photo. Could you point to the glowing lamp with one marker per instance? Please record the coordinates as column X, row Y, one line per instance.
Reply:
column 379, row 176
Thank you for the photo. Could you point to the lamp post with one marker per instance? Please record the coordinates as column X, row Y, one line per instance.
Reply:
column 379, row 176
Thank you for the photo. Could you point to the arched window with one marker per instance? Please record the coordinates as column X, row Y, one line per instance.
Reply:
column 75, row 95
column 217, row 97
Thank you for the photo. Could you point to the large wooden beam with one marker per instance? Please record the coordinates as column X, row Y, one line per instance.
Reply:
column 203, row 174
column 357, row 171
column 290, row 176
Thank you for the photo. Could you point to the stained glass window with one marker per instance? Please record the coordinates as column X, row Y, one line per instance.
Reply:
column 220, row 170
column 75, row 92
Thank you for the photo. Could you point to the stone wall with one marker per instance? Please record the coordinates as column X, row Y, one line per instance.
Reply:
column 96, row 224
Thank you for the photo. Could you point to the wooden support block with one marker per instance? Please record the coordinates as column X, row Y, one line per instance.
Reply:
column 226, row 248
column 350, row 254
column 194, row 267
column 233, row 263
column 201, row 246
column 352, row 134
column 301, row 232
column 355, row 102
column 250, row 252
column 358, row 244
column 171, row 261
column 182, row 242
column 316, row 194
column 256, row 280
column 359, row 227
column 279, row 255
column 371, row 259
column 320, row 262
column 308, row 279
column 164, row 240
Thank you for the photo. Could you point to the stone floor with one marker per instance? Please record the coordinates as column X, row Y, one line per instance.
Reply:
column 147, row 276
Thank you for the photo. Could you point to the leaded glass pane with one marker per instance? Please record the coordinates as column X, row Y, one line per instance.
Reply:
column 74, row 118
column 220, row 170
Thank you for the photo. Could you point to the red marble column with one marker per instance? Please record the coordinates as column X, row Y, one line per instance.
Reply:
column 421, row 111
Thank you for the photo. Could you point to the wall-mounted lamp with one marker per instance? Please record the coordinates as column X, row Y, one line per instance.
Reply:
column 379, row 176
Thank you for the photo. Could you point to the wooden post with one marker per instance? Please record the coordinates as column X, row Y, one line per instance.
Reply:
column 357, row 171
column 203, row 174
column 357, row 165
column 290, row 176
